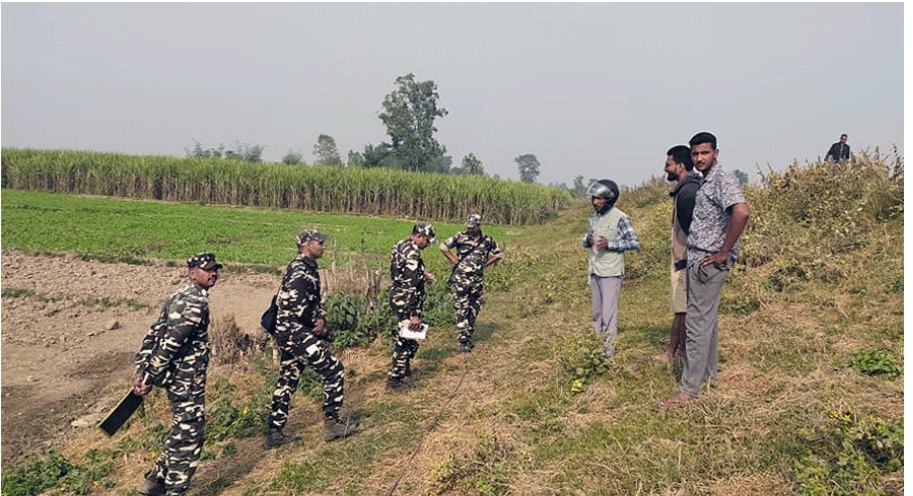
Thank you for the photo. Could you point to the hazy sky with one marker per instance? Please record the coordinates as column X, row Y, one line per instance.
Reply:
column 600, row 90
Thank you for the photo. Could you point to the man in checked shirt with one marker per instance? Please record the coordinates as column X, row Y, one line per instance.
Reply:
column 608, row 236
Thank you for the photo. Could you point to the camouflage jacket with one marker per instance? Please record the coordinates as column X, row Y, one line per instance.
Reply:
column 177, row 344
column 407, row 271
column 472, row 255
column 299, row 297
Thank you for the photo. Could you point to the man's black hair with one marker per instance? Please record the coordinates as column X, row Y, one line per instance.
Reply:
column 681, row 154
column 703, row 137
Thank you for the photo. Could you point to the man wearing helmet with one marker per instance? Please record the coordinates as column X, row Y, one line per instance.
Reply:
column 609, row 234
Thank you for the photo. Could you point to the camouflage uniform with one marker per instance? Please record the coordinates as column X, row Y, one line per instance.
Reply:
column 174, row 355
column 299, row 310
column 407, row 296
column 473, row 254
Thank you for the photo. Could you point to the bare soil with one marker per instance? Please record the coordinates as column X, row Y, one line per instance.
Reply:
column 70, row 329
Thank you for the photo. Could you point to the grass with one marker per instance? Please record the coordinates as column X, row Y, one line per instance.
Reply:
column 809, row 400
column 120, row 230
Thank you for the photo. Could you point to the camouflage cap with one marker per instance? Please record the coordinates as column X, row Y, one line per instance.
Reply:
column 310, row 235
column 473, row 220
column 205, row 261
column 425, row 228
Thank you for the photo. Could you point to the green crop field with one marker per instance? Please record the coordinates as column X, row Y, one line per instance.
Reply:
column 123, row 230
column 357, row 190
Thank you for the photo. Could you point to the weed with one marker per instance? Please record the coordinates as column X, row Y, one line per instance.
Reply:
column 228, row 418
column 850, row 453
column 482, row 471
column 876, row 363
column 56, row 475
column 582, row 356
column 15, row 292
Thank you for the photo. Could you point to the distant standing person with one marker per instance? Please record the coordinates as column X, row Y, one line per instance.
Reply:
column 174, row 356
column 679, row 168
column 407, row 298
column 301, row 335
column 475, row 251
column 608, row 236
column 720, row 216
column 839, row 151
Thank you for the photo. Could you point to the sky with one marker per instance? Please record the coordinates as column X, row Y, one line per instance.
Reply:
column 599, row 90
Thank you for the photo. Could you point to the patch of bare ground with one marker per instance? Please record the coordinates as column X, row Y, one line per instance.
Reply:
column 70, row 329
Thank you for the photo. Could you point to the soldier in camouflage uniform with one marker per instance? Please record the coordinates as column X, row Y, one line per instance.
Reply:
column 174, row 355
column 475, row 251
column 407, row 296
column 302, row 336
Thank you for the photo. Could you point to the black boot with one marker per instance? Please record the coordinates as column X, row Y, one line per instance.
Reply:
column 398, row 385
column 152, row 486
column 275, row 438
column 335, row 429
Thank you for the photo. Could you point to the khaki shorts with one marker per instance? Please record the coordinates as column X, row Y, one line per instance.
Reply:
column 679, row 300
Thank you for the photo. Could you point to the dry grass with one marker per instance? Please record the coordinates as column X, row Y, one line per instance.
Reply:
column 503, row 419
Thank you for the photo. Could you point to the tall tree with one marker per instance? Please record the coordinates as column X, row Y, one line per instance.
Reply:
column 356, row 159
column 441, row 164
column 325, row 152
column 472, row 165
column 529, row 167
column 740, row 175
column 245, row 152
column 293, row 158
column 409, row 114
column 378, row 156
column 199, row 152
column 579, row 187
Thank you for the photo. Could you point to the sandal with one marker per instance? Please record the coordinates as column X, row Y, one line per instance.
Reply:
column 662, row 357
column 677, row 400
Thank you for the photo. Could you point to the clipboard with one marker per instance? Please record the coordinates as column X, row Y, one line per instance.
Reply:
column 406, row 333
column 119, row 415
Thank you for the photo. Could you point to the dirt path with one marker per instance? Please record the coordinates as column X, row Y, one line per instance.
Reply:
column 69, row 332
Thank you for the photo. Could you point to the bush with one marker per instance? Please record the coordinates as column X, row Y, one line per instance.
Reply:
column 356, row 322
column 353, row 320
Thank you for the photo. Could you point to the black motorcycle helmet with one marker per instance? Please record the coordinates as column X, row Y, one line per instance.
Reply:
column 604, row 188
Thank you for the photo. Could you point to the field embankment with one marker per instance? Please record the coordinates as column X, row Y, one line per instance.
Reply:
column 809, row 399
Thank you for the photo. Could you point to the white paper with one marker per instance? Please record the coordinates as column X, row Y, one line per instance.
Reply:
column 405, row 332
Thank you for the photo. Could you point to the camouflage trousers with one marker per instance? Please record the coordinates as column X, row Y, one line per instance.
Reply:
column 178, row 461
column 404, row 349
column 299, row 350
column 467, row 301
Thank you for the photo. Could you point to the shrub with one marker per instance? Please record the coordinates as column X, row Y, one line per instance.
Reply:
column 348, row 316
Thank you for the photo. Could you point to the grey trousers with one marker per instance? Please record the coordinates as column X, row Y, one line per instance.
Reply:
column 606, row 292
column 702, row 326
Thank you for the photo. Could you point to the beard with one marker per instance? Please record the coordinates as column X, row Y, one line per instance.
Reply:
column 671, row 177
